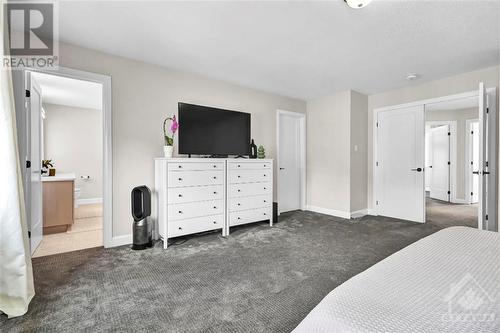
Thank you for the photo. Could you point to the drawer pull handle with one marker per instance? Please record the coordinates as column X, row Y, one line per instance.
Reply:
column 265, row 188
column 264, row 175
column 215, row 222
column 239, row 218
column 239, row 176
column 215, row 177
column 180, row 166
column 215, row 192
column 180, row 228
column 180, row 212
column 180, row 195
column 215, row 207
column 265, row 200
column 180, row 179
column 215, row 166
column 239, row 204
column 265, row 214
column 239, row 190
column 239, row 166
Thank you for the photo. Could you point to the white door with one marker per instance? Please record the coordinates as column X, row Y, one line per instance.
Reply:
column 35, row 119
column 428, row 160
column 483, row 170
column 474, row 162
column 400, row 163
column 289, row 160
column 440, row 179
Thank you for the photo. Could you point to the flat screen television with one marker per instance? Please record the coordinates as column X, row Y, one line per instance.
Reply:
column 206, row 130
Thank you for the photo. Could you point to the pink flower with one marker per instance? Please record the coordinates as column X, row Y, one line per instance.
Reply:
column 175, row 125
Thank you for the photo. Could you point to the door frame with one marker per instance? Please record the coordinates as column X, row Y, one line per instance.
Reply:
column 492, row 100
column 468, row 151
column 453, row 154
column 302, row 139
column 105, row 81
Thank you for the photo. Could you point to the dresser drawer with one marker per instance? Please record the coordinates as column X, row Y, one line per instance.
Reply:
column 249, row 216
column 192, row 166
column 243, row 190
column 194, row 193
column 249, row 165
column 243, row 203
column 198, row 224
column 195, row 178
column 250, row 176
column 195, row 209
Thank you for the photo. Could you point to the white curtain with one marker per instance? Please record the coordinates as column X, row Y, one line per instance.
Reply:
column 16, row 275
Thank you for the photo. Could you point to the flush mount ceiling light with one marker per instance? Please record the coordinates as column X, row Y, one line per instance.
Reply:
column 357, row 4
column 412, row 76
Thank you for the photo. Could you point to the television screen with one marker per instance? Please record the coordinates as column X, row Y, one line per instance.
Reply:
column 210, row 131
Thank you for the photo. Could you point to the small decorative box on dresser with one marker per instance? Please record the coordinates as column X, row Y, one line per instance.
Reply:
column 249, row 191
column 191, row 196
column 201, row 194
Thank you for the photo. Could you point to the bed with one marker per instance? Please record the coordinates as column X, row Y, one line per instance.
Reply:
column 446, row 282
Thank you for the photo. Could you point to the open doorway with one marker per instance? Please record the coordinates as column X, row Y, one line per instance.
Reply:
column 448, row 157
column 66, row 138
column 402, row 173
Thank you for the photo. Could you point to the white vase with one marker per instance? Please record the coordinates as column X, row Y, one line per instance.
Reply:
column 168, row 151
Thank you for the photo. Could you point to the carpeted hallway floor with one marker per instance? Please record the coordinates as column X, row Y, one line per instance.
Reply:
column 259, row 279
column 445, row 214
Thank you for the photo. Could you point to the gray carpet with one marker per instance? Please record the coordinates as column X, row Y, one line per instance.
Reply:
column 445, row 214
column 260, row 279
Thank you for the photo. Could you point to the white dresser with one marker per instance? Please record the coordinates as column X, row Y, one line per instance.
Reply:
column 191, row 196
column 249, row 191
column 201, row 194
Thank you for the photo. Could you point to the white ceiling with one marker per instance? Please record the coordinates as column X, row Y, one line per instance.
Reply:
column 70, row 92
column 299, row 49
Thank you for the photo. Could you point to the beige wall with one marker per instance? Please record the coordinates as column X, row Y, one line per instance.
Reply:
column 328, row 164
column 447, row 86
column 143, row 95
column 359, row 140
column 73, row 140
column 336, row 170
column 460, row 116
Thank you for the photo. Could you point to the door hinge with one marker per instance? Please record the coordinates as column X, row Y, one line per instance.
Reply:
column 449, row 133
column 487, row 110
column 376, row 163
column 376, row 202
column 486, row 217
column 377, row 124
column 486, row 163
column 28, row 164
column 449, row 163
column 28, row 93
column 471, row 132
column 29, row 234
column 471, row 193
column 448, row 192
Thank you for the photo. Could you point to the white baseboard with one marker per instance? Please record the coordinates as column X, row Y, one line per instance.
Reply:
column 371, row 211
column 120, row 240
column 359, row 213
column 327, row 211
column 89, row 201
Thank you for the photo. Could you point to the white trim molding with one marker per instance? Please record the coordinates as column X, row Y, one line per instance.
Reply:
column 328, row 211
column 359, row 213
column 89, row 201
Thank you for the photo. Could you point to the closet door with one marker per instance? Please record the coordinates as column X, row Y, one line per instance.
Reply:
column 400, row 163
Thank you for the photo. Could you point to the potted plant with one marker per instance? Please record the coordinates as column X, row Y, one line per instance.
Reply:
column 48, row 167
column 168, row 148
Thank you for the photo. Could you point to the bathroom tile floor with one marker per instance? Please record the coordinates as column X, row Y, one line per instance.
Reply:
column 86, row 232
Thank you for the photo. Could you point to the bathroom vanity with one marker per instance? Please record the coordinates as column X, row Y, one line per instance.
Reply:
column 58, row 202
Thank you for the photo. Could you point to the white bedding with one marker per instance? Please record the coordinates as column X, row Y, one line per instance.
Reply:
column 446, row 282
